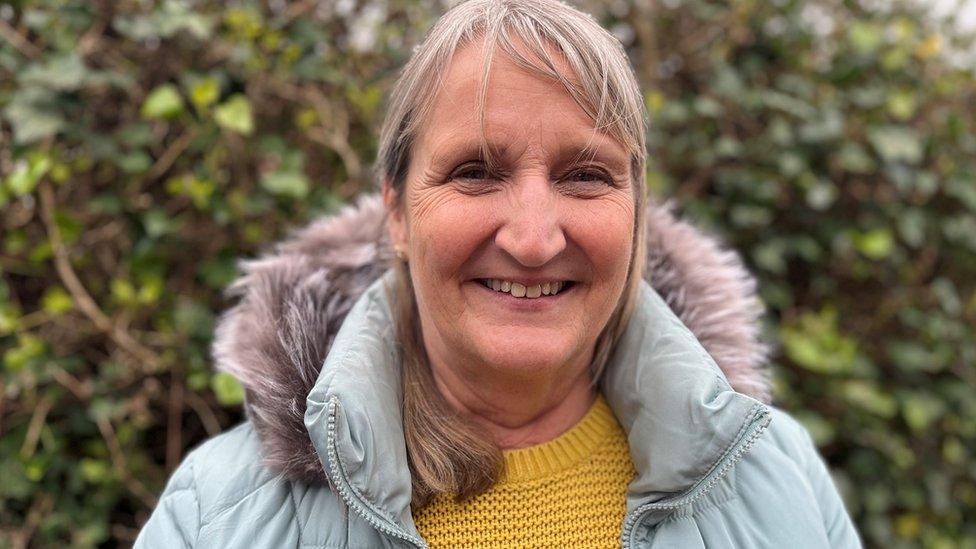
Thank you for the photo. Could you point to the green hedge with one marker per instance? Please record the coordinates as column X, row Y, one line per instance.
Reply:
column 144, row 146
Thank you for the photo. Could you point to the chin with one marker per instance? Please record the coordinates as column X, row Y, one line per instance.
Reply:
column 528, row 356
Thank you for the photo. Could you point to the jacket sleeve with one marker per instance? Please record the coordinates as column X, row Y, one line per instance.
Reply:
column 176, row 520
column 837, row 522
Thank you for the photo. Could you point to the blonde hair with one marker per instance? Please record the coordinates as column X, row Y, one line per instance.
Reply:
column 448, row 454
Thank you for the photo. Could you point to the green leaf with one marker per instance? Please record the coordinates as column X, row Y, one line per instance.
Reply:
column 870, row 397
column 193, row 319
column 27, row 350
column 855, row 159
column 28, row 174
column 875, row 244
column 865, row 37
column 814, row 342
column 227, row 389
column 897, row 144
column 158, row 223
column 204, row 92
column 123, row 291
column 35, row 114
column 235, row 115
column 163, row 102
column 64, row 73
column 134, row 162
column 902, row 104
column 57, row 301
column 921, row 409
column 286, row 184
column 95, row 471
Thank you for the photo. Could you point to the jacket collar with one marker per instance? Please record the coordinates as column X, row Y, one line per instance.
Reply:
column 679, row 411
column 292, row 304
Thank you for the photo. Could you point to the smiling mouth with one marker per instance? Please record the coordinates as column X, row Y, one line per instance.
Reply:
column 527, row 292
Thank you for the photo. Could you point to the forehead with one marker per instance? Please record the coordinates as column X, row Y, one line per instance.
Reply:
column 520, row 107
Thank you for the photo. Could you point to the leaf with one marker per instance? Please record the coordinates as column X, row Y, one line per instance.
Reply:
column 64, row 73
column 28, row 349
column 921, row 409
column 28, row 173
column 57, row 301
column 815, row 343
column 134, row 162
column 286, row 184
column 235, row 115
column 163, row 102
column 865, row 37
column 193, row 319
column 896, row 144
column 35, row 114
column 875, row 244
column 902, row 104
column 227, row 389
column 868, row 396
column 204, row 92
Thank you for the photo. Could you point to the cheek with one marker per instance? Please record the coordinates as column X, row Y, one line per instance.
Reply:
column 604, row 229
column 445, row 230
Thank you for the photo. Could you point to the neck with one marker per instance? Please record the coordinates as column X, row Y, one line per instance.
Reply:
column 518, row 412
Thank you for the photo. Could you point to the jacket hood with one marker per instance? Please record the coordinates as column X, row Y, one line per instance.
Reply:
column 293, row 301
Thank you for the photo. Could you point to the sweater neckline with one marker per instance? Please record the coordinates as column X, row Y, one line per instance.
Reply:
column 564, row 451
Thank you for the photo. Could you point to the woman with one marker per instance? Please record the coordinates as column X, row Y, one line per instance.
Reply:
column 512, row 380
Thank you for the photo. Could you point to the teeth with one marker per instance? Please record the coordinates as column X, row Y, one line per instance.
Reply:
column 520, row 290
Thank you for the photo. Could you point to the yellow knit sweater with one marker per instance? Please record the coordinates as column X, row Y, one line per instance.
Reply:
column 568, row 492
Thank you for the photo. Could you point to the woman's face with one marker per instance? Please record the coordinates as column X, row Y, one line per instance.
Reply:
column 486, row 247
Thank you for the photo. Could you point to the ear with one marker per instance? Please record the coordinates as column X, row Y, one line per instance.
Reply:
column 395, row 221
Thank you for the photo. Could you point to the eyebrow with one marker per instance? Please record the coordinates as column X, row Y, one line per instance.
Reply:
column 453, row 150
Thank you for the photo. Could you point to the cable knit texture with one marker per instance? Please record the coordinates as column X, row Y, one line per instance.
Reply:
column 568, row 492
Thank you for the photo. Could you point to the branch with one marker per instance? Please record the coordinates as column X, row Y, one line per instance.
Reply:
column 19, row 43
column 207, row 416
column 119, row 463
column 34, row 428
column 77, row 290
column 170, row 155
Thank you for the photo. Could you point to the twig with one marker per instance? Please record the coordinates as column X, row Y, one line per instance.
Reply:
column 209, row 420
column 334, row 130
column 19, row 43
column 119, row 463
column 32, row 320
column 169, row 156
column 35, row 426
column 77, row 290
column 40, row 507
column 81, row 390
column 338, row 138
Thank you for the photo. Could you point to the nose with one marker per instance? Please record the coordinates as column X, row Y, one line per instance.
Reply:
column 531, row 231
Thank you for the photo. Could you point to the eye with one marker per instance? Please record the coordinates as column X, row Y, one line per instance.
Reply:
column 472, row 171
column 589, row 175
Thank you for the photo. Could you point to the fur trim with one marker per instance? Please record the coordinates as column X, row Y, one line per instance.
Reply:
column 293, row 301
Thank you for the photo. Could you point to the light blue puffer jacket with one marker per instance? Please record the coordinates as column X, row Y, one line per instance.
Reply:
column 715, row 468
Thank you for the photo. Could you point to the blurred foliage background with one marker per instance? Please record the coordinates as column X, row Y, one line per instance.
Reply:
column 146, row 145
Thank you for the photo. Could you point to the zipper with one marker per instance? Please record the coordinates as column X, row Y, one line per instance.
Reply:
column 351, row 496
column 756, row 424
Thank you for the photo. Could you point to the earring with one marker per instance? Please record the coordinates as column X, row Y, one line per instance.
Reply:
column 401, row 255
